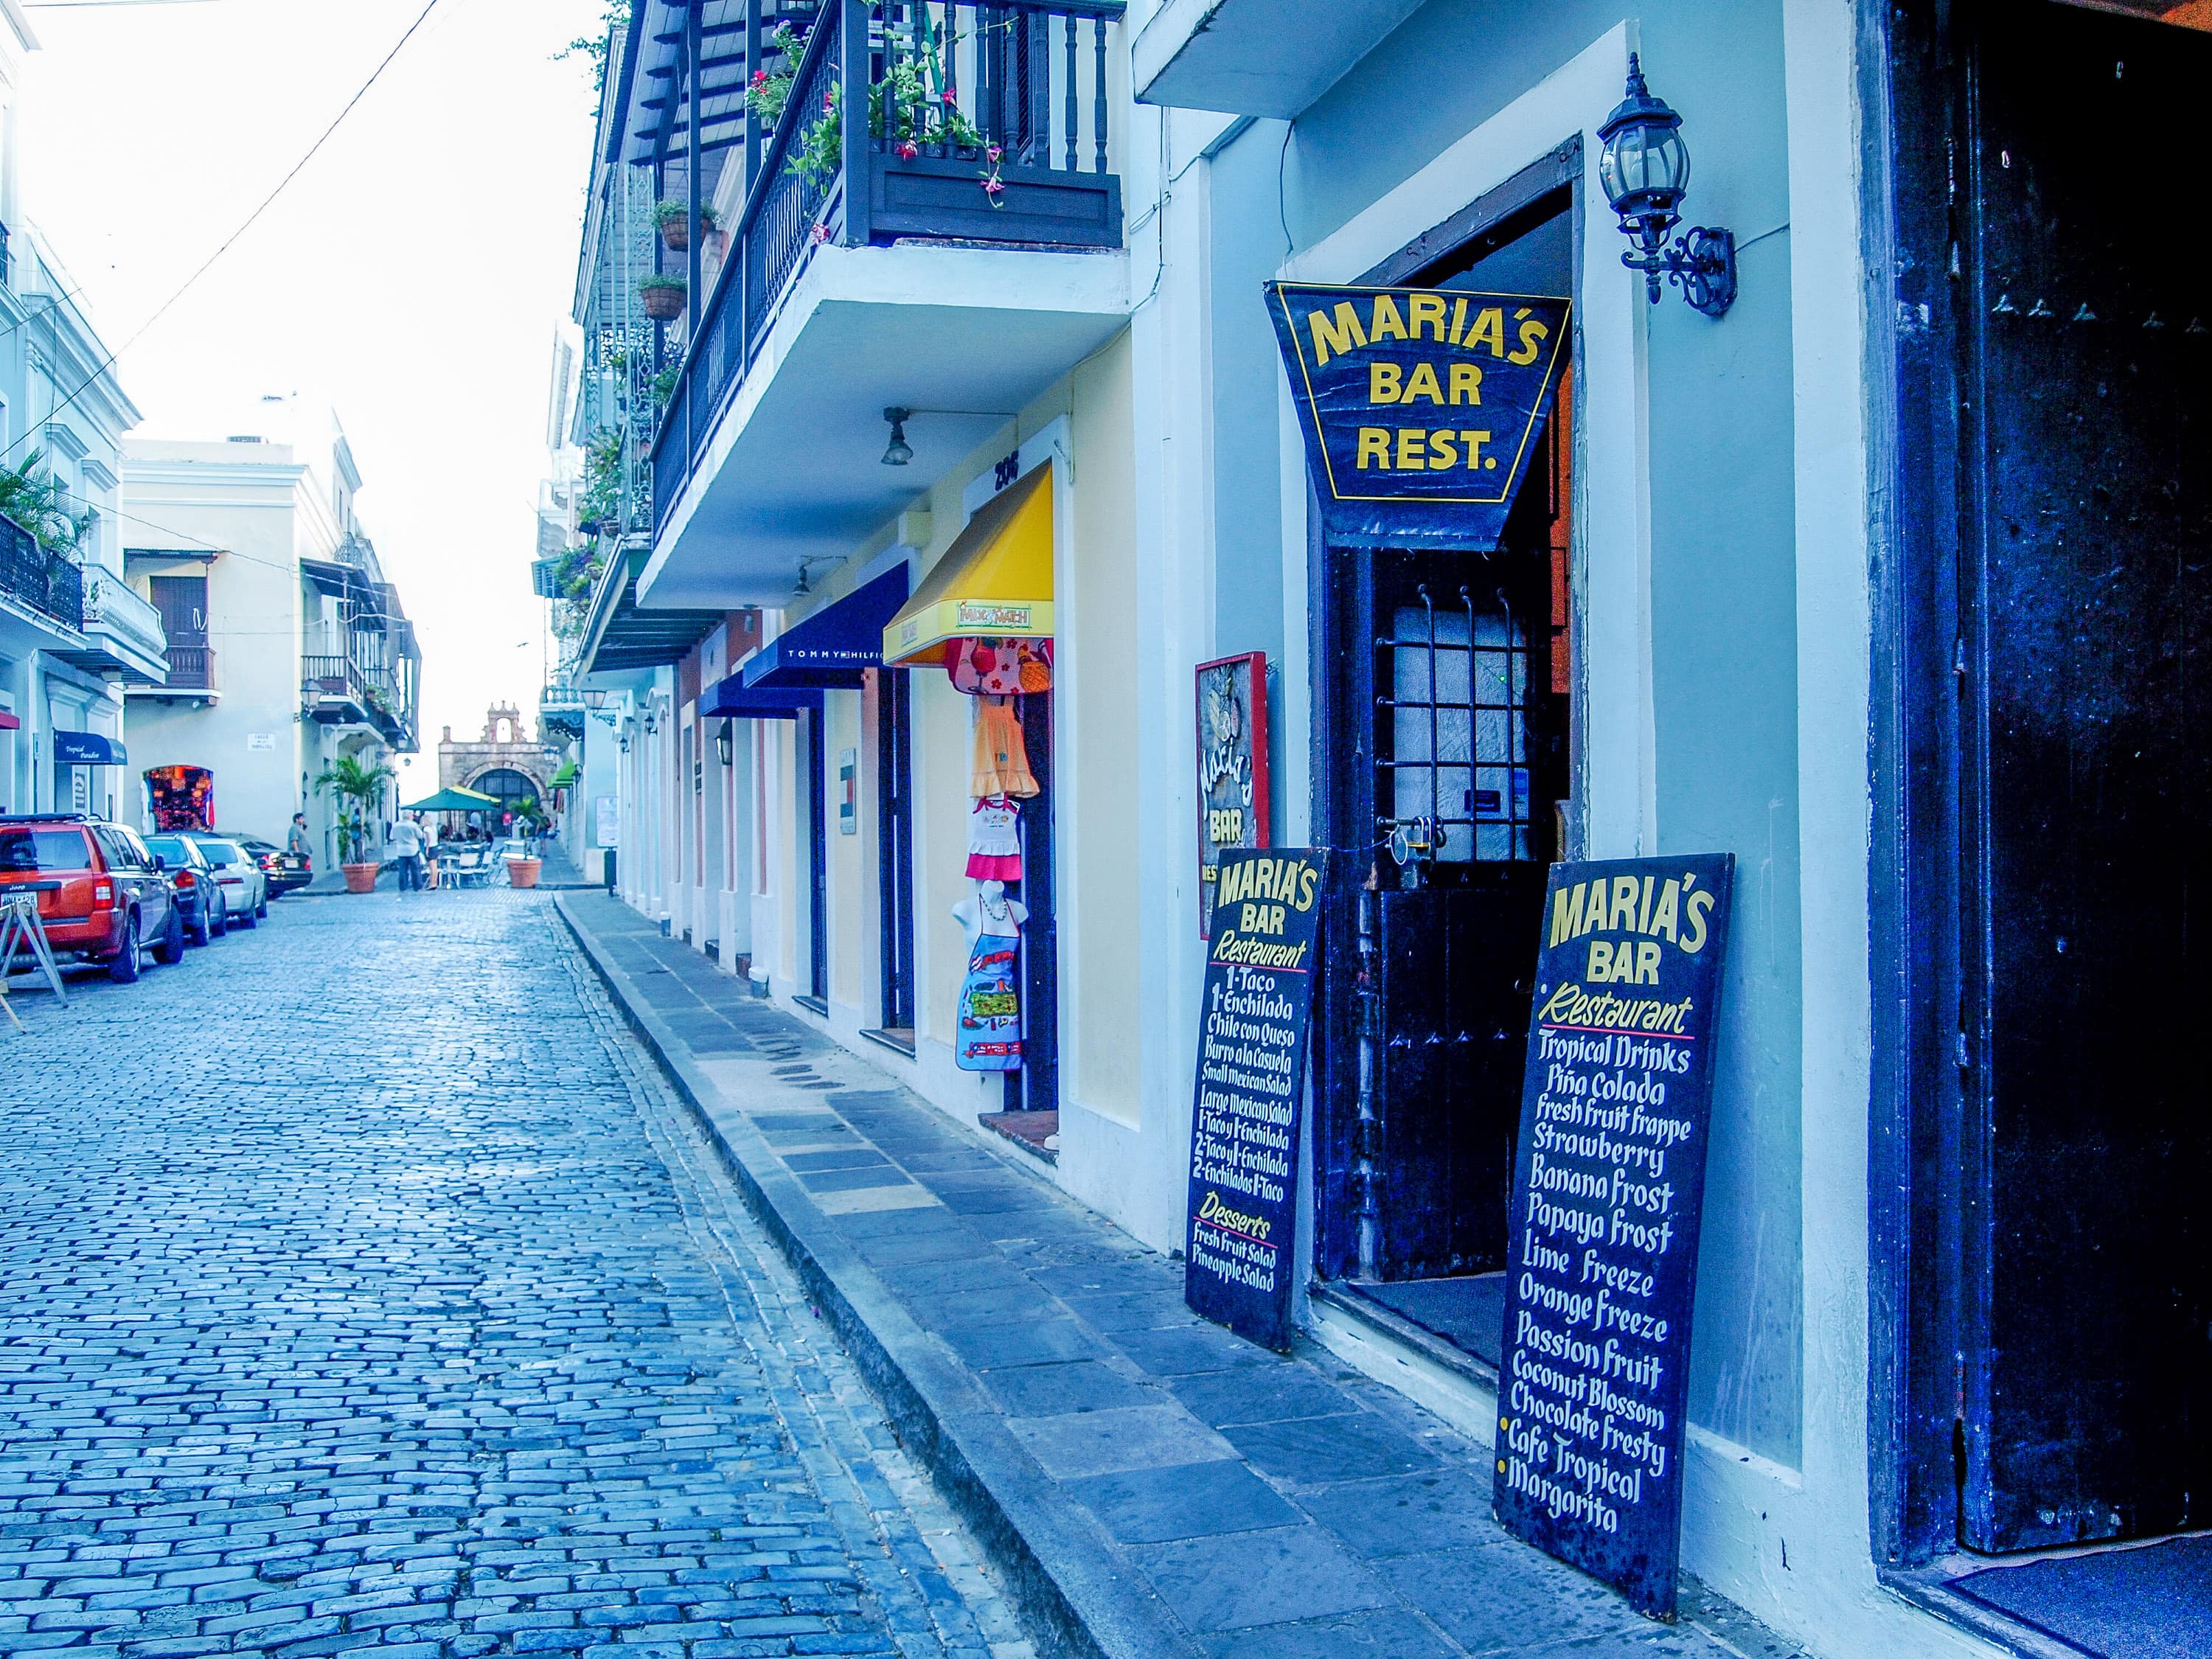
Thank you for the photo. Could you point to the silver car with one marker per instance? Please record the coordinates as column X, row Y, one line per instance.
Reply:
column 244, row 884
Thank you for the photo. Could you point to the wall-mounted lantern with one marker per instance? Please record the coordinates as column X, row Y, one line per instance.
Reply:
column 724, row 745
column 900, row 451
column 1645, row 168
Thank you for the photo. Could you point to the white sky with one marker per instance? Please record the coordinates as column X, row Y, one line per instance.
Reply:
column 413, row 275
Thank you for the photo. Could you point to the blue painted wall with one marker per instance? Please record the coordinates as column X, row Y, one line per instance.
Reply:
column 1723, row 575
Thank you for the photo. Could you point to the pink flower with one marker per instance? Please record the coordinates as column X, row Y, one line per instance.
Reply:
column 995, row 152
column 829, row 103
column 821, row 233
column 993, row 187
column 949, row 100
column 908, row 150
column 760, row 77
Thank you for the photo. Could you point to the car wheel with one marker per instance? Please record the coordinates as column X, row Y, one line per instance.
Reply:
column 171, row 951
column 262, row 909
column 201, row 932
column 248, row 917
column 222, row 923
column 122, row 969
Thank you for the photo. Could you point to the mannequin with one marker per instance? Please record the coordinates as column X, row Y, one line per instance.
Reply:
column 989, row 1038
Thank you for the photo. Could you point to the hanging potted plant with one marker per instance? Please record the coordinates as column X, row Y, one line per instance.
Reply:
column 358, row 788
column 662, row 297
column 673, row 219
column 530, row 823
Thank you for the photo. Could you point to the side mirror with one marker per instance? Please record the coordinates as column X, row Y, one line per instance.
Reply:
column 159, row 863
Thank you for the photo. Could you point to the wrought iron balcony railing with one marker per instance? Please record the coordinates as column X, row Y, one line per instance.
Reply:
column 938, row 119
column 45, row 581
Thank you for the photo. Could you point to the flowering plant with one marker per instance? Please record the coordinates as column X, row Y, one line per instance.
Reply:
column 912, row 105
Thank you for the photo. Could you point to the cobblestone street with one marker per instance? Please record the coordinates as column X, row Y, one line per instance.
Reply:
column 366, row 1288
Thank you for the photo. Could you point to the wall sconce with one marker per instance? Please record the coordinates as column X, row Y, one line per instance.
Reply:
column 725, row 744
column 900, row 451
column 1645, row 168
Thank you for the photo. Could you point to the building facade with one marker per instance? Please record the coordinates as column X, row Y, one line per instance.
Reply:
column 1873, row 572
column 288, row 647
column 73, row 634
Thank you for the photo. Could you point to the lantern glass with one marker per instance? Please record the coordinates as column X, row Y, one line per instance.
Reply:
column 1644, row 165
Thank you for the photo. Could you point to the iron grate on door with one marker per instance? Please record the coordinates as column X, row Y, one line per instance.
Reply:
column 1455, row 784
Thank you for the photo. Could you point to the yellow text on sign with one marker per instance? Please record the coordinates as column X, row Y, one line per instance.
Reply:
column 1414, row 449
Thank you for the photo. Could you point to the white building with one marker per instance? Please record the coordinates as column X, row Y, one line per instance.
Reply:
column 288, row 647
column 72, row 633
column 1882, row 579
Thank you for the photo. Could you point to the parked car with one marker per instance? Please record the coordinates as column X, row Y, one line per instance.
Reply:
column 245, row 889
column 199, row 895
column 102, row 892
column 285, row 870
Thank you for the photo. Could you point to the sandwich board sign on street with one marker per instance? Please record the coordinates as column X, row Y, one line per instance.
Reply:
column 1608, row 1185
column 1258, row 1003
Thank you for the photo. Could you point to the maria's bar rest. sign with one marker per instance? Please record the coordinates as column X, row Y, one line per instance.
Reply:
column 1421, row 407
column 1608, row 1185
column 1259, row 967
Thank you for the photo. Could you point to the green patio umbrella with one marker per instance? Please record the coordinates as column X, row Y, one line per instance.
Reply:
column 452, row 799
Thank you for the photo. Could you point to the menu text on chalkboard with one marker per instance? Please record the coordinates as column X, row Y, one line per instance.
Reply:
column 1608, row 1185
column 1260, row 969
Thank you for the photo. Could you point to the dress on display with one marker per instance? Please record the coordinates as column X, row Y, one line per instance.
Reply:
column 1002, row 759
column 989, row 1038
column 994, row 840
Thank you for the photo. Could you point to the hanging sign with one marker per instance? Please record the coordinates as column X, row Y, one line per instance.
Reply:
column 1607, row 1188
column 1251, row 1080
column 1421, row 407
column 1232, row 766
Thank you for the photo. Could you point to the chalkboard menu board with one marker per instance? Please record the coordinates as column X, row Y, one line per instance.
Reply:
column 1259, row 967
column 1609, row 1184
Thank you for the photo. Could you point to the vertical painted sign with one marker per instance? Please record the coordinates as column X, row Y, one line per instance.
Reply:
column 1232, row 766
column 1258, row 1003
column 1607, row 1189
column 1421, row 407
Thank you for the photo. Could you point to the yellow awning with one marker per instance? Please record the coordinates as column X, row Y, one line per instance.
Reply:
column 995, row 581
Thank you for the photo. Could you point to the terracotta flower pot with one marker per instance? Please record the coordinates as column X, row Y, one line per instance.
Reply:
column 523, row 873
column 359, row 877
column 663, row 304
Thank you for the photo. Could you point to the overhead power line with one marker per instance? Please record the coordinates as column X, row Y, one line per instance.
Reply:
column 184, row 288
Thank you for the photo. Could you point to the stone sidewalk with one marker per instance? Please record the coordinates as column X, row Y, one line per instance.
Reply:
column 1151, row 1484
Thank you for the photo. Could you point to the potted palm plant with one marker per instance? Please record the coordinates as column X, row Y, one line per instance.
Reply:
column 530, row 823
column 358, row 787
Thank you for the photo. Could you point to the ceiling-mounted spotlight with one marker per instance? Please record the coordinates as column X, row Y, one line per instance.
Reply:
column 900, row 451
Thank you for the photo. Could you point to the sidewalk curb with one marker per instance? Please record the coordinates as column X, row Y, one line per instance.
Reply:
column 1075, row 1598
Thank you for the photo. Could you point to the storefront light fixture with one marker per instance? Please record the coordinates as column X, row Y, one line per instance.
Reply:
column 900, row 451
column 1645, row 168
column 725, row 744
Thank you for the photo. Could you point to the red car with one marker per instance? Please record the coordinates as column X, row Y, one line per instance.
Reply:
column 102, row 895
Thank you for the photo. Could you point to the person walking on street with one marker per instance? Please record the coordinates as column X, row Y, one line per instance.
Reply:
column 407, row 850
column 296, row 841
column 430, row 850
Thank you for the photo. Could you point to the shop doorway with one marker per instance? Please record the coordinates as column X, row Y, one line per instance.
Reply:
column 1449, row 687
column 894, row 851
column 1036, row 1086
column 180, row 798
column 815, row 769
column 2050, row 1352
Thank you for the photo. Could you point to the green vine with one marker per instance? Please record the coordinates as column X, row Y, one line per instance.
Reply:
column 915, row 105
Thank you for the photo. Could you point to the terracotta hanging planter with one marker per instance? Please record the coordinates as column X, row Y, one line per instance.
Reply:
column 674, row 221
column 663, row 301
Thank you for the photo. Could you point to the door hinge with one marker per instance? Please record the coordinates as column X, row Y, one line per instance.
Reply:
column 1963, row 1054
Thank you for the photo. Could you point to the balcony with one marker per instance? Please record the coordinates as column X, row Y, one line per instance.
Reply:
column 191, row 671
column 884, row 258
column 47, row 585
column 1270, row 58
column 125, row 631
column 340, row 691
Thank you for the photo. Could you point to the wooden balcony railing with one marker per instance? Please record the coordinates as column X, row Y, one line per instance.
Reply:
column 191, row 668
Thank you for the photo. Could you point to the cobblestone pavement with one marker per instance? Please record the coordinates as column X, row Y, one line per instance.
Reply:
column 365, row 1288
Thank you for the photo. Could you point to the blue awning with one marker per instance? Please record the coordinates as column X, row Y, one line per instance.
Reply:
column 733, row 699
column 833, row 646
column 86, row 749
